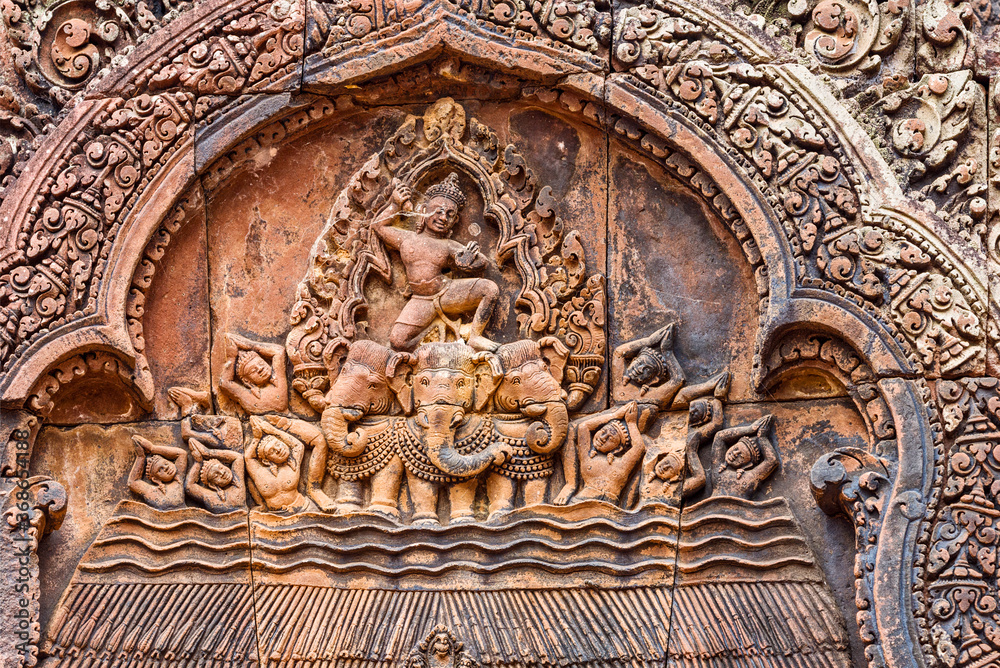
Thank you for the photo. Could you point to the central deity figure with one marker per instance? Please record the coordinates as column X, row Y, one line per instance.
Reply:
column 429, row 255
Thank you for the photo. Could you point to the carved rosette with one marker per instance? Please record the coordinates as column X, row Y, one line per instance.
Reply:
column 557, row 295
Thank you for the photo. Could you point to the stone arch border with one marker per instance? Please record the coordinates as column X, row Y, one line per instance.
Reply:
column 834, row 245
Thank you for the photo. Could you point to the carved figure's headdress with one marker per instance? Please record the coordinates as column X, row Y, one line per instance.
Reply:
column 753, row 447
column 370, row 355
column 655, row 359
column 450, row 189
column 624, row 439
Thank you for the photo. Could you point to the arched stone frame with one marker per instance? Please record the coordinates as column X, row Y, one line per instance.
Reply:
column 658, row 125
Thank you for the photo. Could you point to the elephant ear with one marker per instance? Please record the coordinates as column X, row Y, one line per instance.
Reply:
column 556, row 354
column 489, row 374
column 333, row 357
column 399, row 371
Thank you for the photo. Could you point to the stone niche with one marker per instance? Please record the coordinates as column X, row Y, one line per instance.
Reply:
column 574, row 506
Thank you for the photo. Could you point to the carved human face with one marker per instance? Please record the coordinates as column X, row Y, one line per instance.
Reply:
column 668, row 467
column 274, row 450
column 255, row 370
column 739, row 455
column 163, row 470
column 643, row 369
column 442, row 214
column 218, row 474
column 699, row 413
column 607, row 439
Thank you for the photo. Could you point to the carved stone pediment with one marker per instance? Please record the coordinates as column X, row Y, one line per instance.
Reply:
column 455, row 334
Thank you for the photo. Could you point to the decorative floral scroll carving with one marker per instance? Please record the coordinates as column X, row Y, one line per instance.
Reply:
column 819, row 198
column 17, row 433
column 54, row 276
column 40, row 399
column 143, row 276
column 960, row 572
column 21, row 124
column 32, row 508
column 60, row 47
column 992, row 236
column 334, row 26
column 845, row 36
column 252, row 49
column 935, row 135
column 952, row 32
column 819, row 351
column 584, row 26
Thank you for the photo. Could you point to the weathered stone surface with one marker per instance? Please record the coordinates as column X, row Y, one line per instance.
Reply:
column 499, row 333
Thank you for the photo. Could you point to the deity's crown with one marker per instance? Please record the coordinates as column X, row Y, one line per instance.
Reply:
column 450, row 188
column 753, row 447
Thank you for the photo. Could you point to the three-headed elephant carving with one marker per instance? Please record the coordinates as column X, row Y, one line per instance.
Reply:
column 443, row 387
column 357, row 429
column 533, row 418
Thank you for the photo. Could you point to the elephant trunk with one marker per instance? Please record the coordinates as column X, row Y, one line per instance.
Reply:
column 439, row 422
column 336, row 429
column 548, row 434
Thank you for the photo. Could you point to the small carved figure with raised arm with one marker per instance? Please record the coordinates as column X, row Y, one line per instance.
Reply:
column 273, row 461
column 310, row 435
column 745, row 457
column 215, row 479
column 429, row 255
column 646, row 371
column 602, row 452
column 254, row 375
column 157, row 473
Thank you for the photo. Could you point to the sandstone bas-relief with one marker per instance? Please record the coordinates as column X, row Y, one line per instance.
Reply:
column 465, row 443
column 844, row 147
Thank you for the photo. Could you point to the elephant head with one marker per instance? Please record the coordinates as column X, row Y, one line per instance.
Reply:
column 361, row 388
column 532, row 386
column 440, row 385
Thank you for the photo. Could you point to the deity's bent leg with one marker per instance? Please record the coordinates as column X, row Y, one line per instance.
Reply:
column 472, row 294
